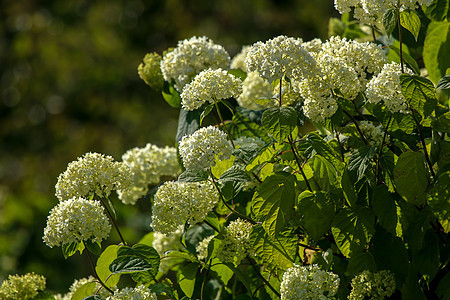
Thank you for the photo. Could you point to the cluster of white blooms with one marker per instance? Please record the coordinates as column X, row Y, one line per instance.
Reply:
column 202, row 247
column 190, row 57
column 386, row 87
column 138, row 293
column 374, row 134
column 167, row 242
column 200, row 149
column 376, row 286
column 365, row 58
column 238, row 61
column 22, row 286
column 313, row 46
column 236, row 243
column 76, row 220
column 80, row 282
column 147, row 165
column 256, row 92
column 210, row 86
column 92, row 173
column 150, row 71
column 176, row 203
column 280, row 56
column 246, row 140
column 309, row 282
column 288, row 94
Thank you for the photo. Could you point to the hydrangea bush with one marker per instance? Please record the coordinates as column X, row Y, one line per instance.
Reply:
column 328, row 179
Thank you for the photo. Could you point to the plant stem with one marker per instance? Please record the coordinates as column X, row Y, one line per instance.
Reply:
column 381, row 148
column 340, row 145
column 373, row 34
column 262, row 277
column 223, row 123
column 95, row 271
column 204, row 280
column 300, row 166
column 400, row 38
column 212, row 226
column 422, row 140
column 357, row 126
column 113, row 221
column 226, row 204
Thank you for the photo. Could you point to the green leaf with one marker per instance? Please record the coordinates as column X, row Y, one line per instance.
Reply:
column 188, row 123
column 94, row 297
column 206, row 112
column 190, row 175
column 183, row 255
column 443, row 90
column 235, row 173
column 103, row 262
column 419, row 92
column 411, row 21
column 313, row 143
column 44, row 295
column 280, row 122
column 442, row 123
column 273, row 202
column 361, row 262
column 348, row 188
column 128, row 264
column 361, row 159
column 352, row 229
column 171, row 95
column 238, row 73
column 139, row 258
column 72, row 248
column 223, row 272
column 390, row 20
column 411, row 62
column 438, row 196
column 426, row 259
column 317, row 212
column 325, row 174
column 84, row 291
column 384, row 207
column 94, row 248
column 186, row 278
column 278, row 252
column 437, row 10
column 410, row 177
column 436, row 50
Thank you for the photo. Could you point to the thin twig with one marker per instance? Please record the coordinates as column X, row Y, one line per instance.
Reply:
column 95, row 271
column 422, row 140
column 357, row 126
column 223, row 123
column 381, row 148
column 400, row 38
column 263, row 279
column 300, row 166
column 114, row 222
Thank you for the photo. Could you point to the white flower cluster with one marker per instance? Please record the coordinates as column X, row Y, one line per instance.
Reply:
column 374, row 134
column 138, row 293
column 371, row 11
column 236, row 243
column 22, row 286
column 288, row 94
column 280, row 56
column 376, row 286
column 313, row 46
column 190, row 57
column 309, row 282
column 178, row 202
column 238, row 61
column 147, row 165
column 202, row 247
column 210, row 86
column 200, row 149
column 167, row 242
column 386, row 87
column 246, row 140
column 80, row 282
column 76, row 220
column 150, row 71
column 92, row 173
column 256, row 92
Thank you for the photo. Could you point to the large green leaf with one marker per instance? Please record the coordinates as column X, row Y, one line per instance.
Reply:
column 188, row 123
column 384, row 207
column 352, row 229
column 223, row 272
column 410, row 177
column 72, row 248
column 280, row 122
column 437, row 10
column 316, row 211
column 436, row 50
column 361, row 159
column 411, row 21
column 277, row 252
column 361, row 262
column 84, row 291
column 171, row 95
column 406, row 58
column 348, row 188
column 390, row 20
column 419, row 92
column 103, row 262
column 442, row 123
column 438, row 198
column 273, row 202
column 443, row 89
column 325, row 174
column 191, row 175
column 186, row 278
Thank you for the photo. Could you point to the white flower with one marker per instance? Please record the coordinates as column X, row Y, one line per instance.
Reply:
column 210, row 86
column 374, row 134
column 138, row 293
column 308, row 282
column 256, row 92
column 92, row 173
column 190, row 57
column 22, row 286
column 200, row 149
column 202, row 247
column 167, row 242
column 147, row 166
column 313, row 46
column 176, row 203
column 280, row 56
column 238, row 61
column 288, row 94
column 376, row 286
column 236, row 243
column 386, row 87
column 150, row 71
column 76, row 220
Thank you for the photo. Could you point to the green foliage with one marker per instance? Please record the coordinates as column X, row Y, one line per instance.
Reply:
column 419, row 93
column 280, row 122
column 411, row 21
column 436, row 49
column 390, row 20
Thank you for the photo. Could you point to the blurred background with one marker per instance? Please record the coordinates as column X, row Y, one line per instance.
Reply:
column 69, row 85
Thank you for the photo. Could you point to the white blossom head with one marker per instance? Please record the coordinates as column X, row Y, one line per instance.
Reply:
column 279, row 57
column 210, row 85
column 190, row 57
column 202, row 247
column 147, row 166
column 138, row 293
column 76, row 220
column 313, row 46
column 200, row 149
column 94, row 173
column 238, row 61
column 386, row 87
column 22, row 286
column 236, row 243
column 176, row 203
column 373, row 134
column 289, row 95
column 256, row 93
column 368, row 285
column 150, row 71
column 308, row 282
